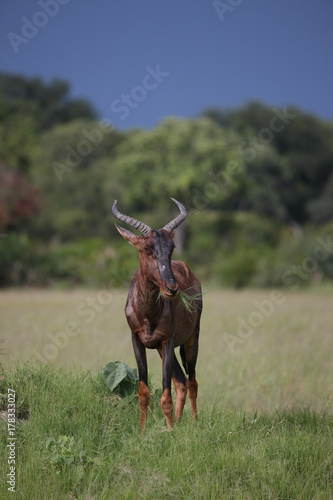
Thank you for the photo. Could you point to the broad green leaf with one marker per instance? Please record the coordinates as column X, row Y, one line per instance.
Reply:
column 113, row 374
column 119, row 377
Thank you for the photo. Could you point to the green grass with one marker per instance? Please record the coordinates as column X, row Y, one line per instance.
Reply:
column 287, row 359
column 265, row 405
column 284, row 454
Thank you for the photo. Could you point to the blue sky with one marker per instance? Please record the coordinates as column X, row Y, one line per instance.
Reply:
column 140, row 61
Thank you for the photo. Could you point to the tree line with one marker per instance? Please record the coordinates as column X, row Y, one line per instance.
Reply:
column 257, row 182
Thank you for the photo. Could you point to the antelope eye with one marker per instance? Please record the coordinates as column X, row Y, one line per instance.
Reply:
column 147, row 250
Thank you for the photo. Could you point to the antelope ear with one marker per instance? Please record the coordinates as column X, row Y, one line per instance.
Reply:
column 132, row 238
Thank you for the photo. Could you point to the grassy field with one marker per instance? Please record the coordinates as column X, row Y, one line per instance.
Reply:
column 265, row 425
column 76, row 440
column 286, row 359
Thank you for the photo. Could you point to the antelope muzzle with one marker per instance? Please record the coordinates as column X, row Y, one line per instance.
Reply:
column 168, row 285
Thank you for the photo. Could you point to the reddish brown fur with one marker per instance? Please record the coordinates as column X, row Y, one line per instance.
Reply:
column 162, row 322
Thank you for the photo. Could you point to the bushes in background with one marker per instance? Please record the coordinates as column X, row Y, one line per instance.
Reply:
column 231, row 250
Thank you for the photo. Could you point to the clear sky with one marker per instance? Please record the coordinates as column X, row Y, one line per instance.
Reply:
column 140, row 61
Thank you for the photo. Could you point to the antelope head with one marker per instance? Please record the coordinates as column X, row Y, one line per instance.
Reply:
column 155, row 247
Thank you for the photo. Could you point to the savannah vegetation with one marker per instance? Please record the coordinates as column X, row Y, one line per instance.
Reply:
column 76, row 440
column 265, row 427
column 258, row 183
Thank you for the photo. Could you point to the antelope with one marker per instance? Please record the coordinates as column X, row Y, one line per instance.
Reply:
column 158, row 317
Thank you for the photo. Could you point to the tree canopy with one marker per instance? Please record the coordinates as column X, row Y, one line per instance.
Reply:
column 247, row 176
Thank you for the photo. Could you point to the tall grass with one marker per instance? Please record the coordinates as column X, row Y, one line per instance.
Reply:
column 77, row 440
column 287, row 359
column 265, row 406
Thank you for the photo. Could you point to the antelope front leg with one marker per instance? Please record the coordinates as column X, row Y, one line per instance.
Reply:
column 144, row 392
column 193, row 394
column 167, row 363
column 181, row 386
column 189, row 354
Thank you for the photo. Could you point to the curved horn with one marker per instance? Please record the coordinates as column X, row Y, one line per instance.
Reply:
column 140, row 226
column 179, row 219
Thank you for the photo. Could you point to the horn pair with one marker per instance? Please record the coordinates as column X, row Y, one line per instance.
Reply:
column 144, row 228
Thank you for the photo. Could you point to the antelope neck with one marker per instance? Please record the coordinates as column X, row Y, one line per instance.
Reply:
column 148, row 303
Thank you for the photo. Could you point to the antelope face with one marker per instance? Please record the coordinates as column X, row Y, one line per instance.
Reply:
column 155, row 258
column 159, row 250
column 155, row 248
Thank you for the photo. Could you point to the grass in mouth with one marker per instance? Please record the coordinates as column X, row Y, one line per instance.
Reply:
column 190, row 301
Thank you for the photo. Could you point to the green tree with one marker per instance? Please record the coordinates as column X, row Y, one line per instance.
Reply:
column 20, row 200
column 191, row 160
column 288, row 161
column 321, row 209
column 48, row 103
column 71, row 169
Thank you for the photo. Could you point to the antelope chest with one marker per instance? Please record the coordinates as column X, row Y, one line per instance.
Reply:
column 152, row 335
